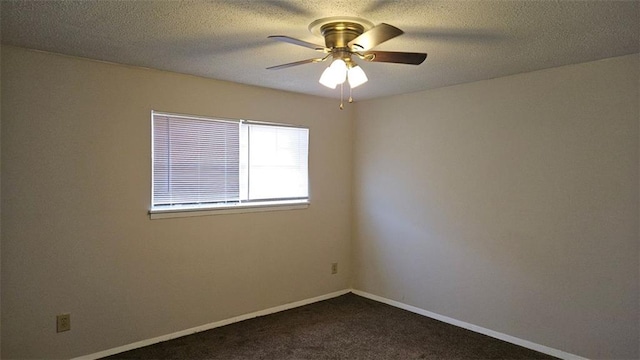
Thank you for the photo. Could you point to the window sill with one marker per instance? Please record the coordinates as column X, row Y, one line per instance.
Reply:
column 178, row 212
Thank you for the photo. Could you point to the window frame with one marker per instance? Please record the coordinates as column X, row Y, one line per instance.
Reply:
column 248, row 206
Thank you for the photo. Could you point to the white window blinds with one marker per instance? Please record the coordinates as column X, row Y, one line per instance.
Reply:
column 195, row 161
column 210, row 163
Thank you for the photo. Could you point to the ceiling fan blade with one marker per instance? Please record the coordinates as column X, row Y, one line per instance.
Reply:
column 395, row 57
column 298, row 42
column 301, row 62
column 374, row 37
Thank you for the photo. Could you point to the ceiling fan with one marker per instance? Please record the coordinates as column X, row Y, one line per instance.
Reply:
column 345, row 38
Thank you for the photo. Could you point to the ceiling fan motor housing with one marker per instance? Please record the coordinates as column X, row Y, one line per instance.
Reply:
column 338, row 34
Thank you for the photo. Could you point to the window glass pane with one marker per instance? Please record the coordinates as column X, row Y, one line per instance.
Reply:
column 277, row 162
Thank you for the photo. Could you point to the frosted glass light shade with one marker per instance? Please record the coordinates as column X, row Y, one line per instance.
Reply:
column 326, row 79
column 357, row 76
column 339, row 71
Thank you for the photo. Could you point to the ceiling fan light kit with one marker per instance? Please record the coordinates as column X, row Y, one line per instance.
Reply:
column 345, row 37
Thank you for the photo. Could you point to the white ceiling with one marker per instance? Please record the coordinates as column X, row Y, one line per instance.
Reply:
column 466, row 40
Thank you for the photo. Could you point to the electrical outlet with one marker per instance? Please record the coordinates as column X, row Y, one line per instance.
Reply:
column 334, row 268
column 63, row 322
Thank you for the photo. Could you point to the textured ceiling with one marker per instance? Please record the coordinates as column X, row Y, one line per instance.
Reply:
column 466, row 40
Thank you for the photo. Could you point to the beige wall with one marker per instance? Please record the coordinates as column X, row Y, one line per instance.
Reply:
column 511, row 204
column 0, row 198
column 76, row 234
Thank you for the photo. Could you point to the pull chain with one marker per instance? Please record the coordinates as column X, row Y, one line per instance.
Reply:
column 350, row 92
column 341, row 95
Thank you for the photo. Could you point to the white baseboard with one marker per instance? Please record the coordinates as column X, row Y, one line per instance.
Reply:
column 209, row 326
column 479, row 329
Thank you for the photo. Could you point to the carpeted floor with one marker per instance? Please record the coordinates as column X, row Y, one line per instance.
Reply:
column 346, row 327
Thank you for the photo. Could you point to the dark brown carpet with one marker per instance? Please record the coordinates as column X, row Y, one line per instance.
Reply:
column 346, row 327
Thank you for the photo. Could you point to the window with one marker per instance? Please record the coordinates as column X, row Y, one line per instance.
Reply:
column 213, row 164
